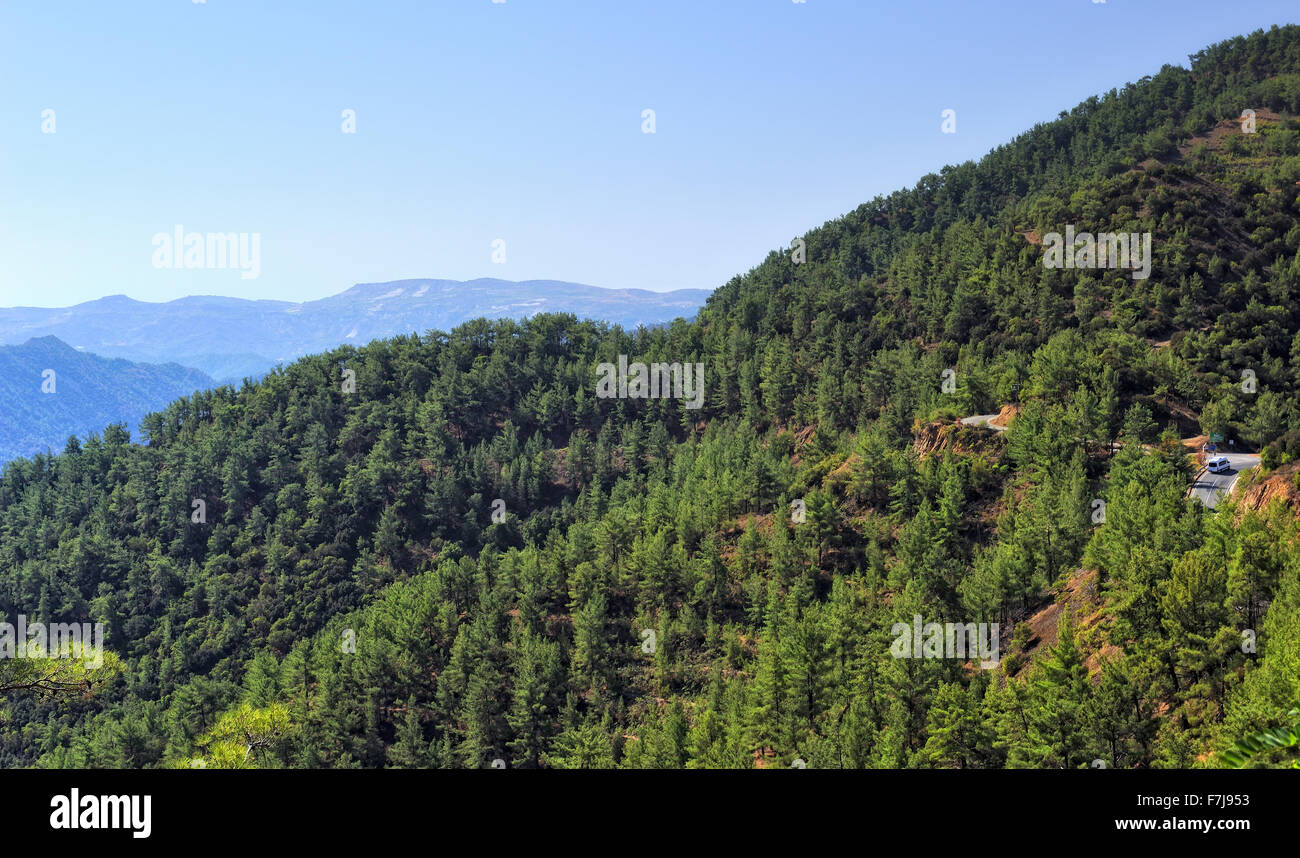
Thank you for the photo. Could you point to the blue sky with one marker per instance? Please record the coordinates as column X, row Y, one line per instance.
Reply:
column 520, row 121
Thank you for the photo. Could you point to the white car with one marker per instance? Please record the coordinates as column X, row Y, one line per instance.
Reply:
column 1219, row 464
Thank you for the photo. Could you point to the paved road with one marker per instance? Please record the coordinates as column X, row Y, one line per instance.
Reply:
column 983, row 420
column 1209, row 488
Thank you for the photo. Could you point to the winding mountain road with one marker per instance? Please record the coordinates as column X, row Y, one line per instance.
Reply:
column 985, row 420
column 1210, row 488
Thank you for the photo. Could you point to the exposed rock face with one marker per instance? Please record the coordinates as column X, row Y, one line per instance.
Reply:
column 1279, row 485
column 1005, row 415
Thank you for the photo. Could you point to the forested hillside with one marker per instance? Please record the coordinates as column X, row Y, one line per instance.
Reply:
column 51, row 391
column 447, row 550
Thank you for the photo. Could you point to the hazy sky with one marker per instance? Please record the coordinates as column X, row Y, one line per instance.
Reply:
column 519, row 121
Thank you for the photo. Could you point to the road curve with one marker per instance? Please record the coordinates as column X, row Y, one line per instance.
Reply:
column 985, row 420
column 1210, row 488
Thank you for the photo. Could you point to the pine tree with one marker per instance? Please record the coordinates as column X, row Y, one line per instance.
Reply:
column 1059, row 695
column 410, row 751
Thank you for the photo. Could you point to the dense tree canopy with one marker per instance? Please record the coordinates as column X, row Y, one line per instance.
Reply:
column 474, row 558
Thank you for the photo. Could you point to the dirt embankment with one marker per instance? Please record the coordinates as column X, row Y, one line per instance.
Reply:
column 1005, row 415
column 1277, row 486
column 930, row 438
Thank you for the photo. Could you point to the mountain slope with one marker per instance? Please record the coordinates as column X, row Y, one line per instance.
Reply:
column 232, row 338
column 51, row 391
column 471, row 555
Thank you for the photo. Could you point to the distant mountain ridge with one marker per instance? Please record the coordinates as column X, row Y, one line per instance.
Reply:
column 51, row 391
column 230, row 338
